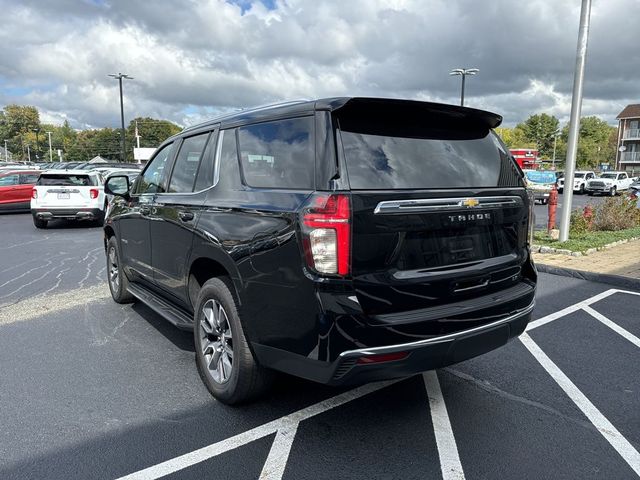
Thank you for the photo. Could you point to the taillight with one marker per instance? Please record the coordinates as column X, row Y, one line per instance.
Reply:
column 34, row 193
column 327, row 229
column 93, row 193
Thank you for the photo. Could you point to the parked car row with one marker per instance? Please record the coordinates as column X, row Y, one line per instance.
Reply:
column 608, row 183
column 51, row 194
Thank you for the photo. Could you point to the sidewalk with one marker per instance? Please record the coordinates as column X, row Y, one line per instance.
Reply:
column 623, row 260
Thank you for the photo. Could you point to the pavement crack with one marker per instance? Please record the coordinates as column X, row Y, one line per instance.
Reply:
column 490, row 388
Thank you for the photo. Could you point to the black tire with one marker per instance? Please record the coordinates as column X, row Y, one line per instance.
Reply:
column 116, row 277
column 581, row 191
column 99, row 221
column 590, row 194
column 39, row 223
column 560, row 190
column 613, row 192
column 246, row 380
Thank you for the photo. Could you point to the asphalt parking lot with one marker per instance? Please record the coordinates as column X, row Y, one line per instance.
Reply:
column 579, row 201
column 92, row 389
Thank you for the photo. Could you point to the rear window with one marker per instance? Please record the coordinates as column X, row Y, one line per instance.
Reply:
column 407, row 156
column 61, row 179
column 278, row 154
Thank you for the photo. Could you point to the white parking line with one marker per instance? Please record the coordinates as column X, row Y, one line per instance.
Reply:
column 445, row 440
column 604, row 426
column 277, row 457
column 279, row 454
column 613, row 326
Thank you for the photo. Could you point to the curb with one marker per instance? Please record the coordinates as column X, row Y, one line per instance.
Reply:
column 544, row 249
column 615, row 280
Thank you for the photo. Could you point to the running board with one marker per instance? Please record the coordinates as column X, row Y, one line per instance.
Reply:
column 173, row 314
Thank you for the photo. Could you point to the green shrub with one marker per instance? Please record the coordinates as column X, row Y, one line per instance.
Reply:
column 616, row 213
column 578, row 223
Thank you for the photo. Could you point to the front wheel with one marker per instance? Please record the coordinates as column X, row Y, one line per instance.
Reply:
column 225, row 362
column 613, row 191
column 118, row 281
column 581, row 191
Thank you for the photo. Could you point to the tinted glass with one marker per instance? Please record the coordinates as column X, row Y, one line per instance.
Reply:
column 29, row 178
column 205, row 171
column 278, row 154
column 153, row 178
column 62, row 179
column 8, row 180
column 430, row 159
column 229, row 174
column 186, row 166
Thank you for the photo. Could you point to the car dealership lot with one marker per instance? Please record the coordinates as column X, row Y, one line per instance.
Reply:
column 92, row 389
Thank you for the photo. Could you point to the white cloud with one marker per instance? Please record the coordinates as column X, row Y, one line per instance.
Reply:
column 192, row 58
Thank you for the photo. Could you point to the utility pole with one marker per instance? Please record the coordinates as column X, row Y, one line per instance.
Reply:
column 29, row 152
column 50, row 151
column 137, row 136
column 120, row 76
column 555, row 142
column 6, row 152
column 574, row 123
column 37, row 130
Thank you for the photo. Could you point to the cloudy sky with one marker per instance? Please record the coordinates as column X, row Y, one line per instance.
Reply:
column 194, row 58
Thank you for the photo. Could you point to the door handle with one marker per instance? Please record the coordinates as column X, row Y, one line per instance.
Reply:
column 185, row 216
column 145, row 210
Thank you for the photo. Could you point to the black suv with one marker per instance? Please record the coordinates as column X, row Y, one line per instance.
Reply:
column 342, row 240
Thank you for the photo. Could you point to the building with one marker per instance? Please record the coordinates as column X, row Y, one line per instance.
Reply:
column 526, row 157
column 628, row 155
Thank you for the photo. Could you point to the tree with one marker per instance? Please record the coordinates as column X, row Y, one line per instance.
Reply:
column 17, row 122
column 152, row 131
column 514, row 138
column 541, row 129
column 594, row 143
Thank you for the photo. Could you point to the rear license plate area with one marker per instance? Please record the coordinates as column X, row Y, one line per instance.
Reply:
column 64, row 196
column 461, row 249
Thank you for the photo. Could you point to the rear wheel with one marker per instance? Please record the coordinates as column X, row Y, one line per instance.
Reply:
column 39, row 223
column 613, row 191
column 118, row 281
column 225, row 362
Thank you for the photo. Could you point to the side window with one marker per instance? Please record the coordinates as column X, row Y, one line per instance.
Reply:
column 152, row 180
column 186, row 165
column 29, row 178
column 228, row 170
column 278, row 154
column 204, row 179
column 8, row 180
column 623, row 176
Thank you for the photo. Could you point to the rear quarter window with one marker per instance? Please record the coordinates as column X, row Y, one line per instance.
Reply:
column 278, row 154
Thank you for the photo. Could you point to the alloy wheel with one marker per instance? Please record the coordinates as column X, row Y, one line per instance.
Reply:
column 114, row 272
column 216, row 341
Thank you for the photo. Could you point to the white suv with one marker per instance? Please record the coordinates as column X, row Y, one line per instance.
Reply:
column 70, row 194
column 609, row 183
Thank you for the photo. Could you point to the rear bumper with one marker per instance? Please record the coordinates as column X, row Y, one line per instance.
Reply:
column 359, row 366
column 70, row 214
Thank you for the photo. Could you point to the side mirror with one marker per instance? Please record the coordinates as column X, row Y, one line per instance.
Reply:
column 118, row 185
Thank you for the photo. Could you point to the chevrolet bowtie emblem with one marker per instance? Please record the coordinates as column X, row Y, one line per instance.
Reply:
column 470, row 202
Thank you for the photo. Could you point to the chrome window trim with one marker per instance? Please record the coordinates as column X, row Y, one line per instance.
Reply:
column 435, row 340
column 399, row 207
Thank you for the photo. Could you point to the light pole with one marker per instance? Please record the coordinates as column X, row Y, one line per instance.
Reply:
column 555, row 142
column 574, row 122
column 6, row 152
column 463, row 72
column 37, row 130
column 120, row 76
column 50, row 151
column 29, row 152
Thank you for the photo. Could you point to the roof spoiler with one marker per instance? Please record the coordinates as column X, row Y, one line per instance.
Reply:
column 453, row 112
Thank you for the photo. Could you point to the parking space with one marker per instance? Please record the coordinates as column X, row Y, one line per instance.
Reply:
column 92, row 389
